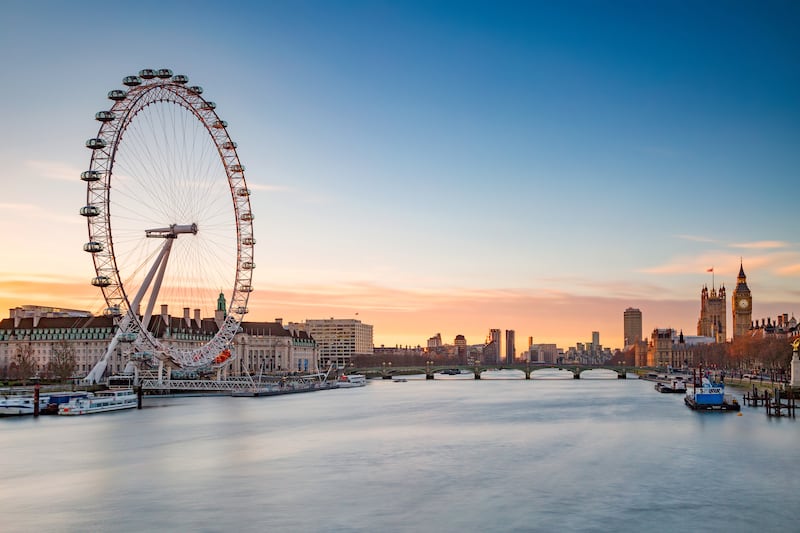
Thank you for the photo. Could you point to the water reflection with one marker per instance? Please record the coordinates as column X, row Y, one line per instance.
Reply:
column 578, row 455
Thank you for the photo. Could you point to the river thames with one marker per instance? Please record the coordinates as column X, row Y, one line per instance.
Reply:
column 575, row 455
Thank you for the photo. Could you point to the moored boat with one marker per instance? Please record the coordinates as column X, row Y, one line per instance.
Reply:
column 352, row 380
column 20, row 405
column 57, row 399
column 710, row 397
column 101, row 402
column 674, row 386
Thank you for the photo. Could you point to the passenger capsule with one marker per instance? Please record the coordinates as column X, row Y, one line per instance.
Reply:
column 236, row 168
column 180, row 78
column 147, row 73
column 93, row 247
column 127, row 337
column 164, row 73
column 131, row 81
column 247, row 216
column 91, row 175
column 196, row 89
column 230, row 145
column 248, row 265
column 112, row 311
column 241, row 310
column 90, row 211
column 105, row 116
column 220, row 124
column 246, row 288
column 101, row 281
column 117, row 95
column 208, row 106
column 95, row 143
column 243, row 192
column 248, row 241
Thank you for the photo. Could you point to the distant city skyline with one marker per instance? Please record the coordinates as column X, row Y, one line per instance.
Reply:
column 436, row 167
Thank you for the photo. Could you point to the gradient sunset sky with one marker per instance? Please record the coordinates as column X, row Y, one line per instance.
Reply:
column 440, row 166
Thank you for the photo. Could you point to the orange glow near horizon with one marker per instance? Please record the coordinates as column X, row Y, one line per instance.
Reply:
column 409, row 318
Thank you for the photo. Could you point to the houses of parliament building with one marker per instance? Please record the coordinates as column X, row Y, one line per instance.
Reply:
column 713, row 310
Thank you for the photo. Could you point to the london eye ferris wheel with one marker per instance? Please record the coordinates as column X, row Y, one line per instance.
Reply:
column 168, row 215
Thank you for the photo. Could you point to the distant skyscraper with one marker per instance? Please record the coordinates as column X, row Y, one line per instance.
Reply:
column 494, row 340
column 460, row 343
column 510, row 347
column 632, row 327
column 595, row 340
column 713, row 314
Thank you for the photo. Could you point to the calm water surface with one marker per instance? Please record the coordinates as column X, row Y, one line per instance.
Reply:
column 418, row 456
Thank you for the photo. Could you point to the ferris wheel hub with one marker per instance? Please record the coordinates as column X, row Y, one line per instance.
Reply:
column 171, row 232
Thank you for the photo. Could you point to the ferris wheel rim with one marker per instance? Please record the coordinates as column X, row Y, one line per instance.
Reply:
column 143, row 92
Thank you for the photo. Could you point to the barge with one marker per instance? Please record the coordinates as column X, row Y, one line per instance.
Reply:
column 710, row 397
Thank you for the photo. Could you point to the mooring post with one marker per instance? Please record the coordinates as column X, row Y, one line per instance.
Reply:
column 36, row 398
column 139, row 394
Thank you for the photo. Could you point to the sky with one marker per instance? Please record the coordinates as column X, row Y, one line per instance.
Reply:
column 440, row 167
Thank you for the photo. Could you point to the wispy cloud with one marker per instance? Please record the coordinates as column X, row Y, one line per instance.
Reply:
column 54, row 170
column 695, row 238
column 761, row 245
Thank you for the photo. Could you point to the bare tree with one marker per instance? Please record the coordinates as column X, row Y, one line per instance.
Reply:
column 26, row 364
column 62, row 362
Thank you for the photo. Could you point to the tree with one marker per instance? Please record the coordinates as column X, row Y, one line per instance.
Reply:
column 26, row 364
column 62, row 362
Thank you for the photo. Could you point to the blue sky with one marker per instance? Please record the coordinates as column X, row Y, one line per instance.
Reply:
column 443, row 166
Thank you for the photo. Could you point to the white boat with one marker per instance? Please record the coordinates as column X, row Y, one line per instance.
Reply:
column 101, row 402
column 21, row 405
column 353, row 380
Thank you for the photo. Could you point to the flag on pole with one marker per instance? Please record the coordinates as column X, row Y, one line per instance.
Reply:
column 710, row 269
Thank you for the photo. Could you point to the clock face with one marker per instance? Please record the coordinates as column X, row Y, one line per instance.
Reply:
column 743, row 304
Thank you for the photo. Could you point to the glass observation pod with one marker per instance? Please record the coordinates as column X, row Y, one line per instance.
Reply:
column 101, row 281
column 95, row 143
column 93, row 246
column 117, row 95
column 90, row 211
column 105, row 116
column 248, row 241
column 241, row 310
column 196, row 89
column 112, row 311
column 247, row 216
column 236, row 168
column 246, row 288
column 243, row 192
column 147, row 73
column 127, row 337
column 131, row 81
column 164, row 73
column 91, row 175
column 180, row 78
column 220, row 124
column 230, row 145
column 248, row 265
column 209, row 105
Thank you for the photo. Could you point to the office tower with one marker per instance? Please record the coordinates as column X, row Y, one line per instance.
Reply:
column 510, row 347
column 632, row 326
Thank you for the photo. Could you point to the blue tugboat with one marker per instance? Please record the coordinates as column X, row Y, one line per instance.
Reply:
column 710, row 396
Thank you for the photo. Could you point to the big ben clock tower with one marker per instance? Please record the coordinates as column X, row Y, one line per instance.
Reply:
column 742, row 305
